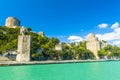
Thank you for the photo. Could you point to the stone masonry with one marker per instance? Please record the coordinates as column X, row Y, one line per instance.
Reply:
column 41, row 34
column 12, row 22
column 94, row 45
column 24, row 44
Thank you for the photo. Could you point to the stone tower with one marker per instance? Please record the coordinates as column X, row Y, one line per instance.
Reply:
column 24, row 44
column 41, row 34
column 58, row 47
column 12, row 22
column 93, row 44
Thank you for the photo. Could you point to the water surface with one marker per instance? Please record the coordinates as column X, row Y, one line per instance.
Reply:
column 74, row 71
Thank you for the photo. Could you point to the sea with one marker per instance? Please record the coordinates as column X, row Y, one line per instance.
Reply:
column 68, row 71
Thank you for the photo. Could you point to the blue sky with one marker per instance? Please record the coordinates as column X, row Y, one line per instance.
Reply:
column 69, row 20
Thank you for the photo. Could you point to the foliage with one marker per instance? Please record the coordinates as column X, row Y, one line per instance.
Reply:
column 8, row 38
column 110, row 52
column 76, row 51
column 43, row 48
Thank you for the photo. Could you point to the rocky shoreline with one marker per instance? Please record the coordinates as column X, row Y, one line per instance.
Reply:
column 14, row 63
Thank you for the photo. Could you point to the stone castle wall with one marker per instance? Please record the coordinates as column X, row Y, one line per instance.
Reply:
column 93, row 44
column 94, row 47
column 24, row 44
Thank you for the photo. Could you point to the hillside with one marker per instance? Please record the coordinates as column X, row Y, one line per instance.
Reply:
column 8, row 39
column 43, row 48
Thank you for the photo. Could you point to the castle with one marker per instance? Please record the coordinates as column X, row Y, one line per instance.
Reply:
column 94, row 45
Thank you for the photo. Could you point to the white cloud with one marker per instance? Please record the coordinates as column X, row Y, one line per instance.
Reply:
column 103, row 25
column 75, row 38
column 115, row 25
column 116, row 42
column 113, row 36
column 108, row 36
column 98, row 35
column 117, row 30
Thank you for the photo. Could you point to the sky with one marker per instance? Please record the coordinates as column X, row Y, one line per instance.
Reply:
column 68, row 20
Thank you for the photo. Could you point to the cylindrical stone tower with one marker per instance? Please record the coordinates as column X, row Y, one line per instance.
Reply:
column 12, row 22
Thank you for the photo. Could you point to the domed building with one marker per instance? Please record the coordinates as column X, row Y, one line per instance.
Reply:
column 12, row 22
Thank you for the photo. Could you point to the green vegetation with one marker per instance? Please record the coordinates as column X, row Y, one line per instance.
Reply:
column 76, row 51
column 109, row 52
column 8, row 39
column 43, row 48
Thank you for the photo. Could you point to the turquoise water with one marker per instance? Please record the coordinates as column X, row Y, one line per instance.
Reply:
column 74, row 71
